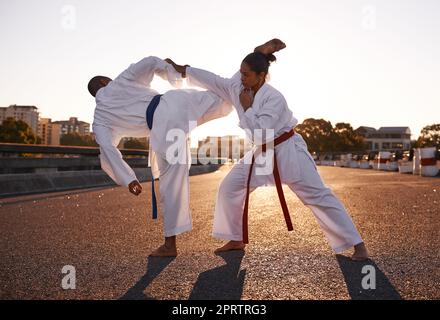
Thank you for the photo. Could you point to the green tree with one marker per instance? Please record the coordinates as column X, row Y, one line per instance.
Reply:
column 74, row 139
column 135, row 144
column 318, row 134
column 429, row 136
column 347, row 139
column 14, row 131
column 321, row 136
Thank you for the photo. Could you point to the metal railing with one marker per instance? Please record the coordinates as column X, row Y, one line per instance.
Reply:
column 23, row 158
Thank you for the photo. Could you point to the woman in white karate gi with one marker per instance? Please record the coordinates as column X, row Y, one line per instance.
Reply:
column 261, row 107
column 120, row 111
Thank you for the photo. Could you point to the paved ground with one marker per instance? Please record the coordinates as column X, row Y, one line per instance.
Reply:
column 106, row 234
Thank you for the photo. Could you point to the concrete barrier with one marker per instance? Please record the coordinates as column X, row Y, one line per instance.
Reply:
column 28, row 183
column 384, row 157
column 428, row 162
column 345, row 160
column 364, row 164
column 405, row 166
column 392, row 166
column 416, row 161
column 328, row 163
column 354, row 164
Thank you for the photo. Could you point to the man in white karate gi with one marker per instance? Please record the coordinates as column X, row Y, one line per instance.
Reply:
column 129, row 107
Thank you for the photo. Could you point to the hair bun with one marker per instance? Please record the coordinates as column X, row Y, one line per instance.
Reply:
column 259, row 62
column 270, row 57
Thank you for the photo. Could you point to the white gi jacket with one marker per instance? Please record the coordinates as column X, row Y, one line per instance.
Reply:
column 269, row 111
column 121, row 107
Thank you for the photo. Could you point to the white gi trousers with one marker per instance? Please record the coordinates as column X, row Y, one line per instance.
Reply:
column 170, row 155
column 174, row 197
column 310, row 189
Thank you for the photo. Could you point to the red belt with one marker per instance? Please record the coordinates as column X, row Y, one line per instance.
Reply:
column 285, row 136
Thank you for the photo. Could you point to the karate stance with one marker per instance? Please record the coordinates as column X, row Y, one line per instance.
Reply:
column 126, row 107
column 261, row 107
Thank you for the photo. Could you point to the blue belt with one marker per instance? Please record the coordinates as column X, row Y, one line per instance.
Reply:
column 149, row 115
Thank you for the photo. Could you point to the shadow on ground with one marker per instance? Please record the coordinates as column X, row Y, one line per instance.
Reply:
column 355, row 272
column 222, row 283
column 155, row 266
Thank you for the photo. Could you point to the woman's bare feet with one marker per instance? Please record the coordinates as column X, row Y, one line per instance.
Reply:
column 360, row 252
column 271, row 46
column 231, row 245
column 168, row 249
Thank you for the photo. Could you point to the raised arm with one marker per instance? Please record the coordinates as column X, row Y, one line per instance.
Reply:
column 111, row 158
column 144, row 71
column 271, row 46
column 223, row 87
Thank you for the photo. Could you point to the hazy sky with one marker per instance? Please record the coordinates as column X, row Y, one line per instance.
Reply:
column 373, row 63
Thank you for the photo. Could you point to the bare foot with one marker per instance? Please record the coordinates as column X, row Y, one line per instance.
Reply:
column 271, row 46
column 231, row 245
column 360, row 253
column 164, row 251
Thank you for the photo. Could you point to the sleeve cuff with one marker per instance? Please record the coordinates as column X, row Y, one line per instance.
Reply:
column 130, row 180
column 250, row 112
column 188, row 77
column 174, row 78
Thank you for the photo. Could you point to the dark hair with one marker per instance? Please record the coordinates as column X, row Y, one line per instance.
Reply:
column 259, row 62
column 95, row 84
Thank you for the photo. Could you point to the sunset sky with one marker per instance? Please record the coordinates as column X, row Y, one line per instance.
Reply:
column 372, row 63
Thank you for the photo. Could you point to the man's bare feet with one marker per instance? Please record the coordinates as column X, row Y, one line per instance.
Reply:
column 168, row 249
column 231, row 245
column 271, row 46
column 164, row 251
column 360, row 252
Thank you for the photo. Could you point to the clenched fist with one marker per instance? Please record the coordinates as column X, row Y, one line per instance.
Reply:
column 135, row 187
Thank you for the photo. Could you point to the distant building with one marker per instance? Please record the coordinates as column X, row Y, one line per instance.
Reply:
column 386, row 138
column 229, row 147
column 49, row 132
column 28, row 114
column 74, row 126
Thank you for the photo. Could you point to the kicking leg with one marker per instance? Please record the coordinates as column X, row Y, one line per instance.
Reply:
column 328, row 210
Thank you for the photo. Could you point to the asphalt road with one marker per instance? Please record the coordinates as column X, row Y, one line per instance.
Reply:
column 107, row 234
